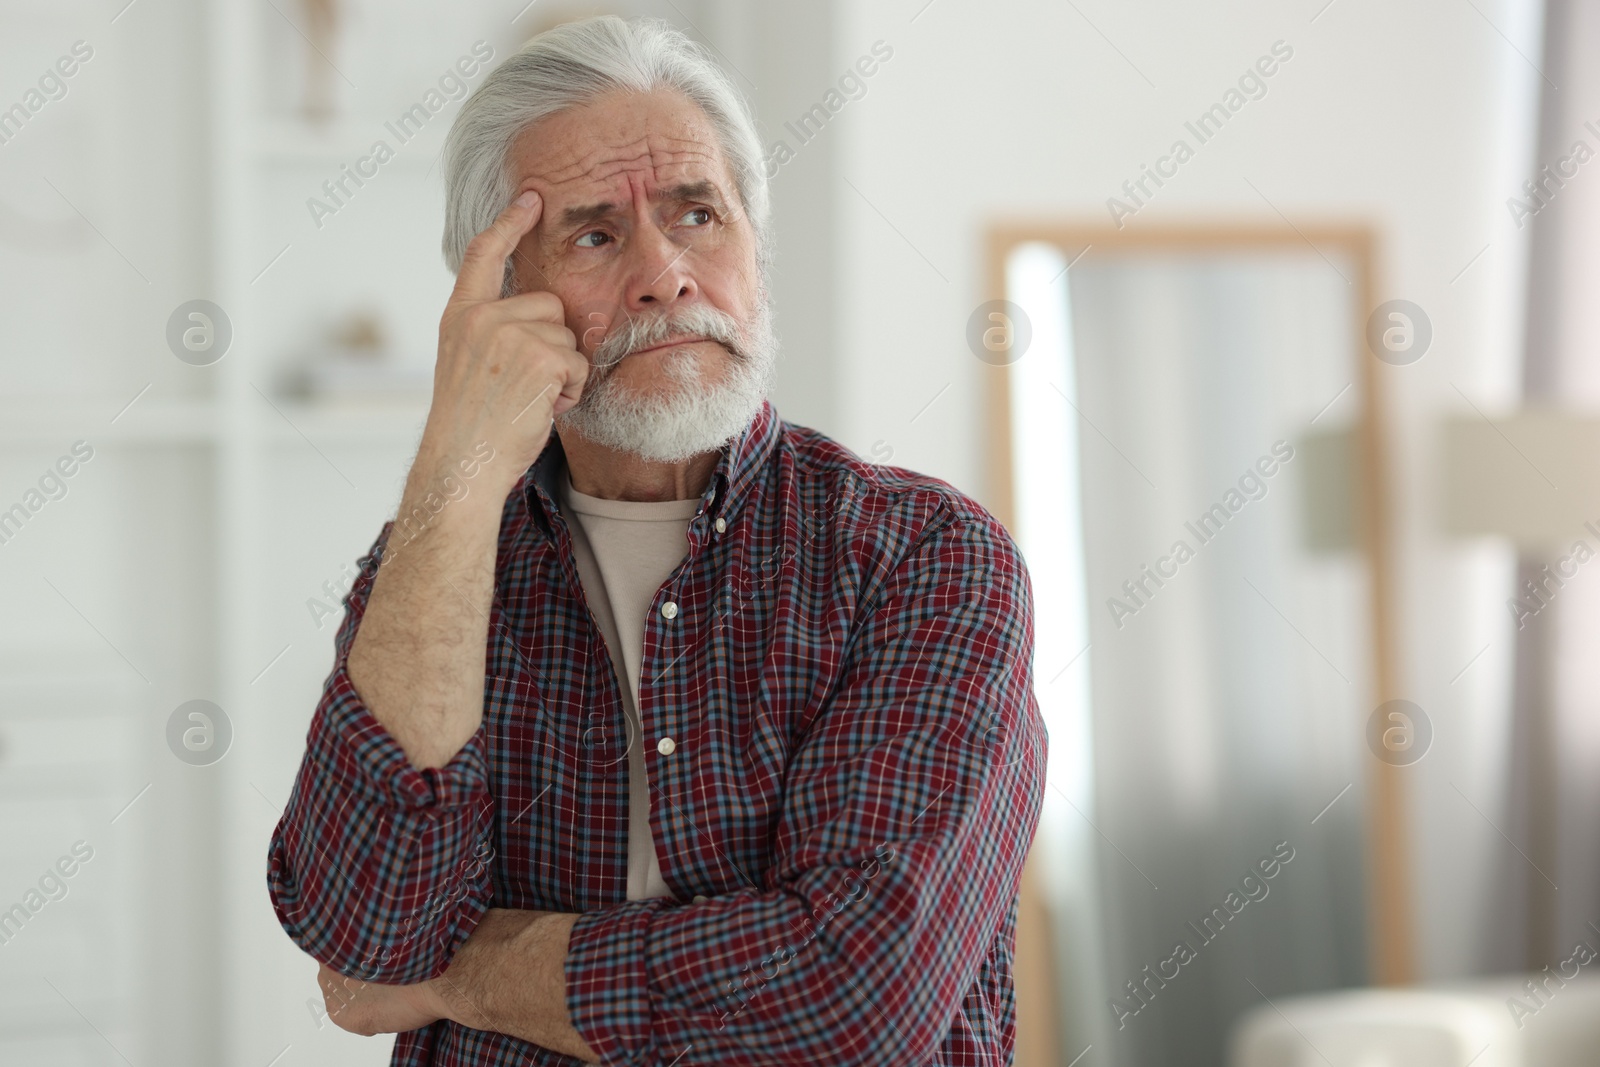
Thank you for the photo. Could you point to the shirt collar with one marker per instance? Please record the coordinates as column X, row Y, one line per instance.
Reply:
column 738, row 466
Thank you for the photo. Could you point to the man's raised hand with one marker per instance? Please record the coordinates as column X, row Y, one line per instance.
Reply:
column 507, row 365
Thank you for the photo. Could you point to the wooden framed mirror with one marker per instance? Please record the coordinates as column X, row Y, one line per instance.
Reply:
column 1210, row 388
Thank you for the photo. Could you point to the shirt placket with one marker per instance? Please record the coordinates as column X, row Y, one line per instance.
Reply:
column 674, row 626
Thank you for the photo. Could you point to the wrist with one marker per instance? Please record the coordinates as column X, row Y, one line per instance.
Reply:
column 443, row 997
column 449, row 494
column 460, row 469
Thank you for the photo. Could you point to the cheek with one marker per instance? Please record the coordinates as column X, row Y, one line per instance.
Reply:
column 736, row 270
column 732, row 287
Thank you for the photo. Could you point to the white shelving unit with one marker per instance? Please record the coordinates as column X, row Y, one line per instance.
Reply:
column 301, row 488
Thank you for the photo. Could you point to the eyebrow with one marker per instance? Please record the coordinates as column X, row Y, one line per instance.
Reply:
column 700, row 190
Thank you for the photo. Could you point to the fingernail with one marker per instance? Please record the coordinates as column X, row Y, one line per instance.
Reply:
column 527, row 199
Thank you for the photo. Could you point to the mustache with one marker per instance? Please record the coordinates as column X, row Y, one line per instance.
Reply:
column 637, row 332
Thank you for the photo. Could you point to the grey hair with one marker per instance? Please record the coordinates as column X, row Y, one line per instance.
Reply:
column 568, row 66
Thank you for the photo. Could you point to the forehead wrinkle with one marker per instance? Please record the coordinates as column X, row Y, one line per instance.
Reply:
column 603, row 163
column 667, row 174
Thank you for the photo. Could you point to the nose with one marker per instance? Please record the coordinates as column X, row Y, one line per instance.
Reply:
column 661, row 274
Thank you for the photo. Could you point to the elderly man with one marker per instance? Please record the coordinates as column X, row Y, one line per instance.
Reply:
column 660, row 730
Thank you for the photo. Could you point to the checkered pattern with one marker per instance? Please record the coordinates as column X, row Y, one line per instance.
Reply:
column 857, row 775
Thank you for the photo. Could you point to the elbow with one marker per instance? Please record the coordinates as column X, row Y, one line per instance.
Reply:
column 903, row 1022
column 893, row 1035
column 366, row 940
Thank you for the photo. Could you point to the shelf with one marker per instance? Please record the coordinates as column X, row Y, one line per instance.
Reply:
column 57, row 423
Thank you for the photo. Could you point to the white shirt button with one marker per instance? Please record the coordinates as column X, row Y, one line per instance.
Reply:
column 669, row 610
column 666, row 746
column 700, row 898
column 721, row 524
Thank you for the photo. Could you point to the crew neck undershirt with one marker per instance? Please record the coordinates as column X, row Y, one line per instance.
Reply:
column 625, row 551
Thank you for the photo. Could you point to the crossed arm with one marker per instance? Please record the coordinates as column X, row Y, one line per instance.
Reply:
column 508, row 977
column 418, row 661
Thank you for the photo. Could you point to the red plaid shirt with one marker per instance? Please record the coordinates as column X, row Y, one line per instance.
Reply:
column 844, row 664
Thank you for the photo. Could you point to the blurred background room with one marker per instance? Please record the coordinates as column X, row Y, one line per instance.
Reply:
column 1267, row 328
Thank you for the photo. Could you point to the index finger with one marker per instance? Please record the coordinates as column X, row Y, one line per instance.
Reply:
column 483, row 265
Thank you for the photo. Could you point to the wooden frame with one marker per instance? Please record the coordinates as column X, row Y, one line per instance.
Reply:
column 1389, row 903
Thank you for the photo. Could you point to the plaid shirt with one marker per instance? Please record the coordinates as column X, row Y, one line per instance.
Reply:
column 843, row 664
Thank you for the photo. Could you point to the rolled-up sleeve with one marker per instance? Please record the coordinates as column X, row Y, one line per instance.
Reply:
column 377, row 869
column 909, row 806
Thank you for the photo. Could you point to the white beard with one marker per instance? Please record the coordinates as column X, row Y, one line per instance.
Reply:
column 696, row 416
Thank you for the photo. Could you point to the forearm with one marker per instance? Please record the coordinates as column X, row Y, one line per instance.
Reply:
column 509, row 977
column 418, row 658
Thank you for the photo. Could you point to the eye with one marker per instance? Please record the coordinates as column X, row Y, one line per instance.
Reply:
column 694, row 213
column 583, row 239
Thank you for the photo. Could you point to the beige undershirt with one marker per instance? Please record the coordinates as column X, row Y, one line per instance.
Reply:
column 626, row 550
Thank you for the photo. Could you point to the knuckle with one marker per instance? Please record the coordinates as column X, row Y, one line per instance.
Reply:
column 532, row 337
column 556, row 335
column 548, row 304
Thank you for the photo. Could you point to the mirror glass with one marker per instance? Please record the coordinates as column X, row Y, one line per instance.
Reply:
column 1180, row 423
